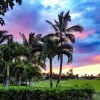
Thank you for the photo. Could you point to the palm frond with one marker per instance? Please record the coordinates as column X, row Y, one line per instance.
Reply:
column 31, row 37
column 9, row 38
column 24, row 39
column 70, row 37
column 53, row 26
column 19, row 1
column 60, row 17
column 2, row 21
column 76, row 28
column 67, row 17
column 68, row 54
column 66, row 47
column 48, row 36
column 38, row 37
column 3, row 32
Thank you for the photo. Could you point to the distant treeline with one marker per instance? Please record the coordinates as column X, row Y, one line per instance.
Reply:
column 71, row 75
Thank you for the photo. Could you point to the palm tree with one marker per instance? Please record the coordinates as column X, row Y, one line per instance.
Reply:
column 62, row 30
column 52, row 47
column 34, row 48
column 33, row 45
column 48, row 52
column 10, row 51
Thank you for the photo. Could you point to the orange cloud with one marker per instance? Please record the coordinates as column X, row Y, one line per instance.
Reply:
column 96, row 58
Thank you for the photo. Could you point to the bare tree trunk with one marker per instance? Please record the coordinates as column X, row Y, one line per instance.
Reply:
column 51, row 83
column 7, row 77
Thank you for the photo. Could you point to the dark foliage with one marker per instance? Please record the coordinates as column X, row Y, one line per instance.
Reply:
column 62, row 93
column 6, row 5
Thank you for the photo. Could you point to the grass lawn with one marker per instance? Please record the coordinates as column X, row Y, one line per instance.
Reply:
column 94, row 83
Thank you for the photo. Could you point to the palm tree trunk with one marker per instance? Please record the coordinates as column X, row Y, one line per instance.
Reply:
column 61, row 61
column 19, row 81
column 30, row 84
column 60, row 71
column 51, row 83
column 7, row 77
column 26, row 82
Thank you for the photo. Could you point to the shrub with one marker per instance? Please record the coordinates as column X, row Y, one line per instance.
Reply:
column 42, row 93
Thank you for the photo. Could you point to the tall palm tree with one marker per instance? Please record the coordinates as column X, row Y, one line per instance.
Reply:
column 62, row 30
column 52, row 48
column 9, row 59
column 49, row 47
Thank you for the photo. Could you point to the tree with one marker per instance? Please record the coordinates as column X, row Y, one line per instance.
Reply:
column 10, row 51
column 48, row 52
column 10, row 39
column 19, row 71
column 33, row 45
column 52, row 47
column 32, row 72
column 62, row 30
column 5, row 5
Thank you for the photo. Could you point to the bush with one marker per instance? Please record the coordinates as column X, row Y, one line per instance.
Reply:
column 41, row 93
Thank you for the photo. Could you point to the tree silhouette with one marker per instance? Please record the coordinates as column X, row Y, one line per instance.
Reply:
column 62, row 30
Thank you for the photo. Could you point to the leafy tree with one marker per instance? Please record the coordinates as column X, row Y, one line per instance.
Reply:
column 19, row 71
column 5, row 5
column 62, row 30
column 10, row 51
column 32, row 72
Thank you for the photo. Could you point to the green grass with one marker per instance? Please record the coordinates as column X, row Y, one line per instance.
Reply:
column 94, row 83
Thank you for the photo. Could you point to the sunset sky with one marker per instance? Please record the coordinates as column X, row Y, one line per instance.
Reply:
column 31, row 16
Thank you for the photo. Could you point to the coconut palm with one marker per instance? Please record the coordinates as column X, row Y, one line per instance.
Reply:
column 33, row 45
column 62, row 30
column 52, row 48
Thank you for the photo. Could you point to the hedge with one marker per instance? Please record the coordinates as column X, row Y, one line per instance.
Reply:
column 84, row 92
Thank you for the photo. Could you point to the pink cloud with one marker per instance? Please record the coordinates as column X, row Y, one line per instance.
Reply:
column 84, row 34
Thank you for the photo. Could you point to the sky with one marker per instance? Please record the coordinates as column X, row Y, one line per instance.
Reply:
column 31, row 16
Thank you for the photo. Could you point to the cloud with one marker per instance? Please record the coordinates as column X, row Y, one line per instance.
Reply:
column 31, row 16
